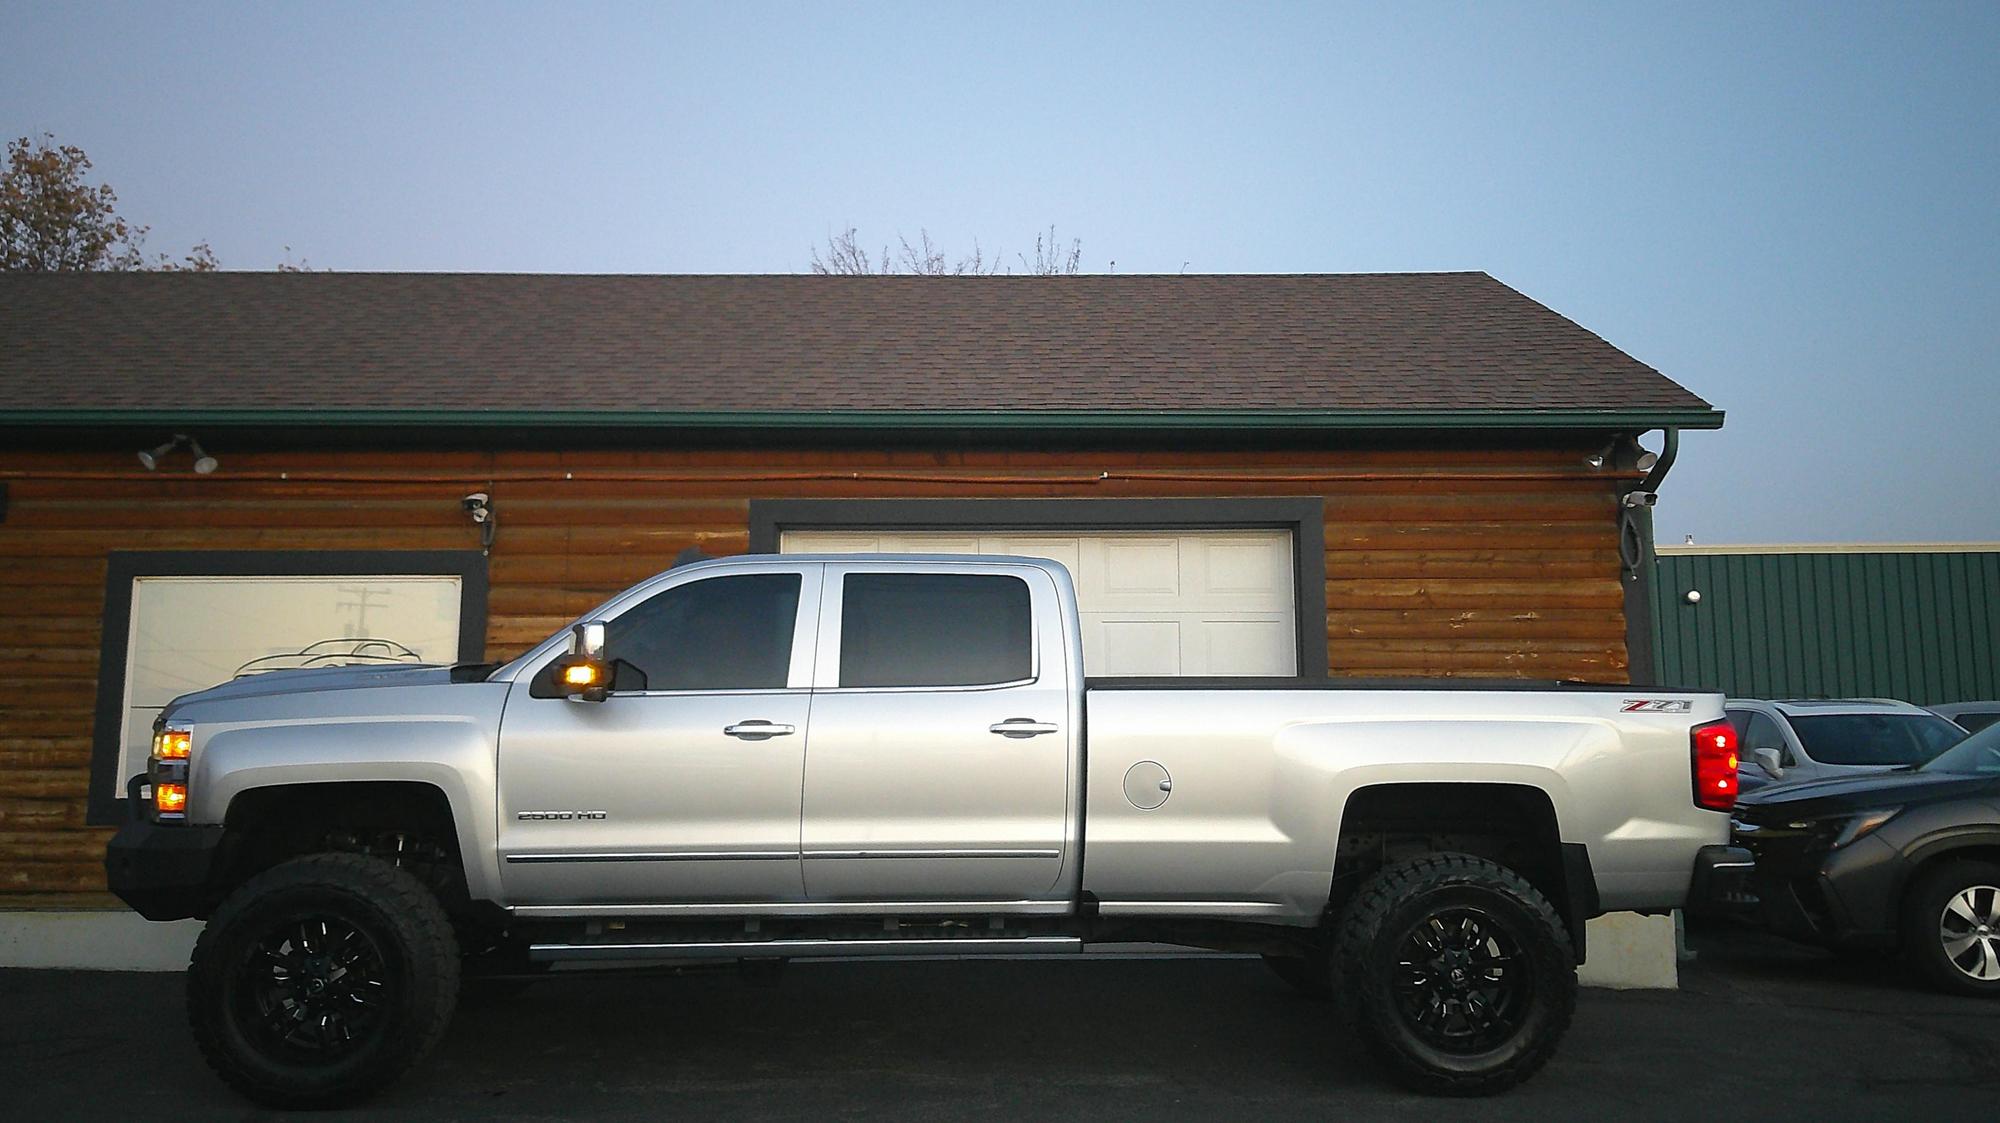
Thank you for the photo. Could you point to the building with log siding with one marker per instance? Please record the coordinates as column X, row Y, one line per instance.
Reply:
column 1373, row 475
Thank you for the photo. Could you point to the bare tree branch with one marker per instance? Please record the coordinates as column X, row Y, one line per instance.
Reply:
column 844, row 256
column 1052, row 259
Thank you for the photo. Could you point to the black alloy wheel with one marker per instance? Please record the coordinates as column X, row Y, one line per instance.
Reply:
column 312, row 986
column 1461, row 984
column 322, row 980
column 1459, row 975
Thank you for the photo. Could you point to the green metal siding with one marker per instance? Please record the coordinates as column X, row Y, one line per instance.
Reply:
column 1920, row 626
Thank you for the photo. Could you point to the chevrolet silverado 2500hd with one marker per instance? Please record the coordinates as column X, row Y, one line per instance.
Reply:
column 764, row 758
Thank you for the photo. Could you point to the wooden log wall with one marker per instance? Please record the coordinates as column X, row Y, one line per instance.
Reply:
column 1465, row 563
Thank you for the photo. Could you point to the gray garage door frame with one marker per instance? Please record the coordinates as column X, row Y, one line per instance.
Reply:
column 1303, row 516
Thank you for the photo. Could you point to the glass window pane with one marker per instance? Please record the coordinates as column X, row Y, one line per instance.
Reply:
column 724, row 633
column 1876, row 739
column 1764, row 733
column 191, row 633
column 934, row 629
column 1974, row 721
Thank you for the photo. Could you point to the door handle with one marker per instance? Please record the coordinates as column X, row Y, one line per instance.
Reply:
column 1021, row 727
column 759, row 730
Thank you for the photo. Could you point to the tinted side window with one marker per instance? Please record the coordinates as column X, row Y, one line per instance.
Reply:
column 725, row 633
column 934, row 629
column 1763, row 733
column 1975, row 720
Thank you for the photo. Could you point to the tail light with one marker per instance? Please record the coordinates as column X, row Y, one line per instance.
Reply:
column 1715, row 746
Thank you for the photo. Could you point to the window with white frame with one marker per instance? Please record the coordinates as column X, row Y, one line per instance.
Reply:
column 188, row 631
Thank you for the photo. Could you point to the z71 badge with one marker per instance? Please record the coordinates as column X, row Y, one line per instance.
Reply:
column 1655, row 706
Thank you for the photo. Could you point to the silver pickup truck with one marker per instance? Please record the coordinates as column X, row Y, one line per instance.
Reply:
column 763, row 758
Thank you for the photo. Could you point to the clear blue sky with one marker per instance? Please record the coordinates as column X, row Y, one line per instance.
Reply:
column 1792, row 209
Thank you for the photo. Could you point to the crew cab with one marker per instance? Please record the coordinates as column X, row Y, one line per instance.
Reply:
column 763, row 758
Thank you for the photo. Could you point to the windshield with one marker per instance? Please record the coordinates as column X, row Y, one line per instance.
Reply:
column 1875, row 739
column 1979, row 753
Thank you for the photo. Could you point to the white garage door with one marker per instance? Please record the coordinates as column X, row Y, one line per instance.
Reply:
column 1153, row 603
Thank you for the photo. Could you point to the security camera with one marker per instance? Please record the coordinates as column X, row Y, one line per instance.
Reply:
column 479, row 505
column 1642, row 498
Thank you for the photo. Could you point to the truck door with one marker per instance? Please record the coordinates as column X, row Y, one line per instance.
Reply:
column 940, row 763
column 684, row 784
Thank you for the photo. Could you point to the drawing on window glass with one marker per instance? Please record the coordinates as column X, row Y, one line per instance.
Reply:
column 334, row 653
column 189, row 633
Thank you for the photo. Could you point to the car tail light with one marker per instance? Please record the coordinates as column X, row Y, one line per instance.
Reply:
column 1715, row 746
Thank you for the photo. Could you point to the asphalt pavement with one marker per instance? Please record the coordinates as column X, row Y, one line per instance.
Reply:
column 1760, row 1030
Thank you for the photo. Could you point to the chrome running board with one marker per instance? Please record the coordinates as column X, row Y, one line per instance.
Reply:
column 806, row 949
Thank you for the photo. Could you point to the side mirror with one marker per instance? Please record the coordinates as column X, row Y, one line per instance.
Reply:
column 1767, row 759
column 583, row 675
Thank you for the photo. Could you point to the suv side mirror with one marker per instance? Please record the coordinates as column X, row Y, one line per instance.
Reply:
column 584, row 675
column 1767, row 758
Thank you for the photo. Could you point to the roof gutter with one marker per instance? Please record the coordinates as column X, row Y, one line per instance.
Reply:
column 1015, row 420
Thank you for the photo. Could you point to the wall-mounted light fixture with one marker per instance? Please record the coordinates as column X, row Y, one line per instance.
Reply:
column 1624, row 450
column 203, row 462
column 478, row 507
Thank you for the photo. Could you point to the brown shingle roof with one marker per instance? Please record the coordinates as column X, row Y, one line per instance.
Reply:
column 191, row 343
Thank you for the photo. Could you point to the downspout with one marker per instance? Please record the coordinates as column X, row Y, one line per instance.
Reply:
column 1668, row 451
column 1636, row 555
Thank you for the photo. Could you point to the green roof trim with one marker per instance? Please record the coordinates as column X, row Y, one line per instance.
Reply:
column 1022, row 420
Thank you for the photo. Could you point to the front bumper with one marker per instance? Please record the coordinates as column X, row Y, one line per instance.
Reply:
column 1723, row 883
column 163, row 872
column 1809, row 891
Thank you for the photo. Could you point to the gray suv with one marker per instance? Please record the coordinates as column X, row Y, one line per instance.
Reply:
column 1797, row 740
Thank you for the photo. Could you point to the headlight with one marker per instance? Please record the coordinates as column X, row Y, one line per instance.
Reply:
column 1863, row 824
column 173, row 742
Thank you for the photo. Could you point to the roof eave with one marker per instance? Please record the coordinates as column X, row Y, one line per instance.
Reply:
column 993, row 420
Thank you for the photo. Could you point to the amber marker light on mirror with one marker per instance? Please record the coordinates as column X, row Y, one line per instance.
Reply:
column 170, row 799
column 580, row 674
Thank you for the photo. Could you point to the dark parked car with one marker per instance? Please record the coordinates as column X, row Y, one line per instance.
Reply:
column 1971, row 716
column 1907, row 860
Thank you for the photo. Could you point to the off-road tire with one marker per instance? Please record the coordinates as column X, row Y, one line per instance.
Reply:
column 1370, row 962
column 1923, row 921
column 414, row 957
column 1311, row 973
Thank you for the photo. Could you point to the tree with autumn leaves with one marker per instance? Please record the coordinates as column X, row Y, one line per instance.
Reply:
column 53, row 219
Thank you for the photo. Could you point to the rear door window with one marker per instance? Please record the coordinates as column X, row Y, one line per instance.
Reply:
column 934, row 629
column 1976, row 720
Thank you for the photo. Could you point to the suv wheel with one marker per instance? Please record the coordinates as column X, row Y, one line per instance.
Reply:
column 322, row 980
column 1951, row 927
column 1458, row 973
